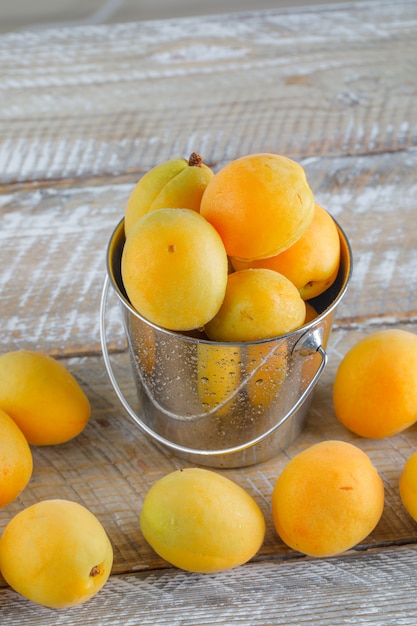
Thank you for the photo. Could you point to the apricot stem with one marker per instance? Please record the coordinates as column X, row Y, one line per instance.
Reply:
column 95, row 571
column 195, row 160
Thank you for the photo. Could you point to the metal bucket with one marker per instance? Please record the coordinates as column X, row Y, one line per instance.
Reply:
column 221, row 404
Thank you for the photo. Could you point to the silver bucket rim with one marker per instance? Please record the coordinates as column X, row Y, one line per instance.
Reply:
column 309, row 342
column 346, row 251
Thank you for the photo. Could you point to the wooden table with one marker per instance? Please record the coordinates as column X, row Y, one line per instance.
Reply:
column 84, row 113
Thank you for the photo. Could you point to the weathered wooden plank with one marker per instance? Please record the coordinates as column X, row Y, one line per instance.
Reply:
column 377, row 588
column 108, row 100
column 53, row 244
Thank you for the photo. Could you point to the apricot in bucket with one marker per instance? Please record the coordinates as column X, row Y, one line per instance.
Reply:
column 174, row 269
column 312, row 262
column 177, row 183
column 258, row 304
column 260, row 204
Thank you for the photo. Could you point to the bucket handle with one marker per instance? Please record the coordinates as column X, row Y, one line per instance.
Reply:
column 308, row 344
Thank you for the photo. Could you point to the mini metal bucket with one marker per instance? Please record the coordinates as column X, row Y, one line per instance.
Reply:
column 221, row 404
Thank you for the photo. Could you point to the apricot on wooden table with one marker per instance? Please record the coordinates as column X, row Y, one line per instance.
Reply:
column 42, row 397
column 55, row 553
column 201, row 521
column 375, row 387
column 327, row 499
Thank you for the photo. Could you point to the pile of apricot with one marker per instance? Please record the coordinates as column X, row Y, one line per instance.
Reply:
column 42, row 404
column 234, row 254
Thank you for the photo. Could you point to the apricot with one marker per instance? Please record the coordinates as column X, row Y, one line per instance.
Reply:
column 42, row 397
column 219, row 374
column 258, row 304
column 260, row 204
column 174, row 269
column 408, row 486
column 327, row 499
column 177, row 183
column 266, row 369
column 375, row 387
column 201, row 521
column 312, row 262
column 55, row 553
column 16, row 463
column 311, row 313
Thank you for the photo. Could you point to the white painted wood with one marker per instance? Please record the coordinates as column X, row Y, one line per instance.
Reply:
column 377, row 588
column 106, row 100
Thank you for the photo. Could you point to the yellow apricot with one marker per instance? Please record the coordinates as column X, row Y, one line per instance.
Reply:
column 219, row 374
column 55, row 553
column 174, row 269
column 327, row 499
column 177, row 183
column 42, row 397
column 312, row 262
column 16, row 463
column 311, row 313
column 271, row 369
column 375, row 387
column 260, row 204
column 201, row 521
column 258, row 304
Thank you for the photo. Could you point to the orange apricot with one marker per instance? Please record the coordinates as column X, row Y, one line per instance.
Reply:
column 16, row 463
column 311, row 313
column 266, row 368
column 375, row 387
column 260, row 204
column 327, row 499
column 312, row 262
column 258, row 304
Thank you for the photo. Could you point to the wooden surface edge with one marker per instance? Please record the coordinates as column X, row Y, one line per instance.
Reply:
column 372, row 587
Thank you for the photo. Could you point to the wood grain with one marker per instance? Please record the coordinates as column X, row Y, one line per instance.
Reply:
column 103, row 100
column 355, row 588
